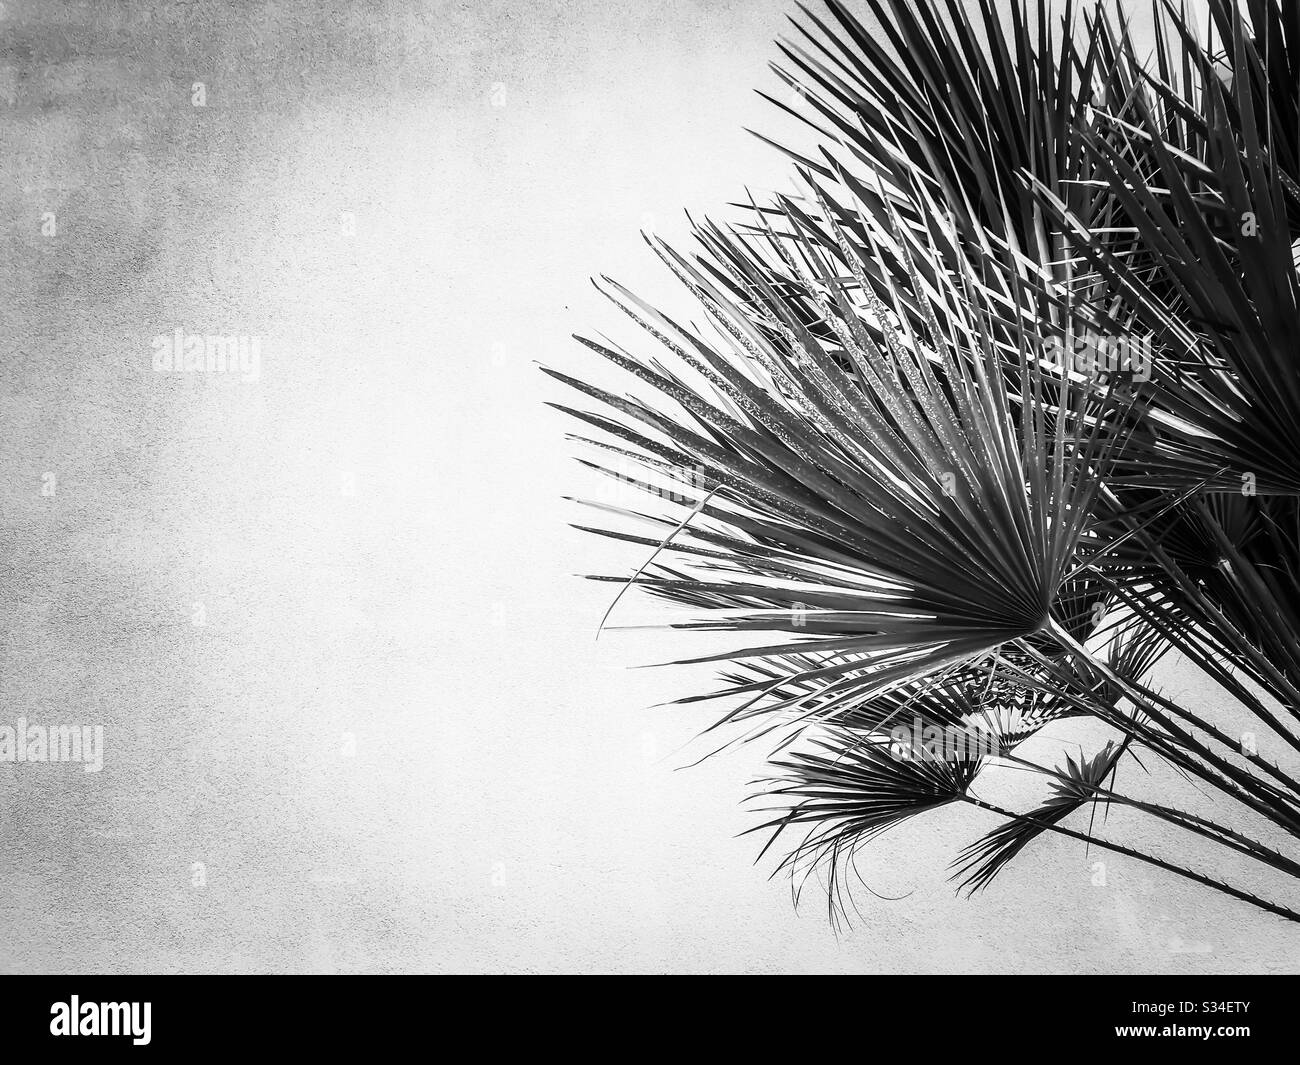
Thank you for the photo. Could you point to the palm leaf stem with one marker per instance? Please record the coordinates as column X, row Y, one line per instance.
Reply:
column 1129, row 852
column 1176, row 746
column 1267, row 803
column 1181, row 818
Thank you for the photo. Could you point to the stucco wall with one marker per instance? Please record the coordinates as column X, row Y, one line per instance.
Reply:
column 393, row 743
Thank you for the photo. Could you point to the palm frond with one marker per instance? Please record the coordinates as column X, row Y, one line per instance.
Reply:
column 882, row 477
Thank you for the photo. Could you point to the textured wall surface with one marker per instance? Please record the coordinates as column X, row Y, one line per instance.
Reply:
column 324, row 607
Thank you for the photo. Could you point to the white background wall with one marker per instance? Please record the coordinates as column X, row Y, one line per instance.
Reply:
column 512, row 802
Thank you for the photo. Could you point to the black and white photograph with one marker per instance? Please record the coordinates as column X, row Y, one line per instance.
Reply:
column 694, row 487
